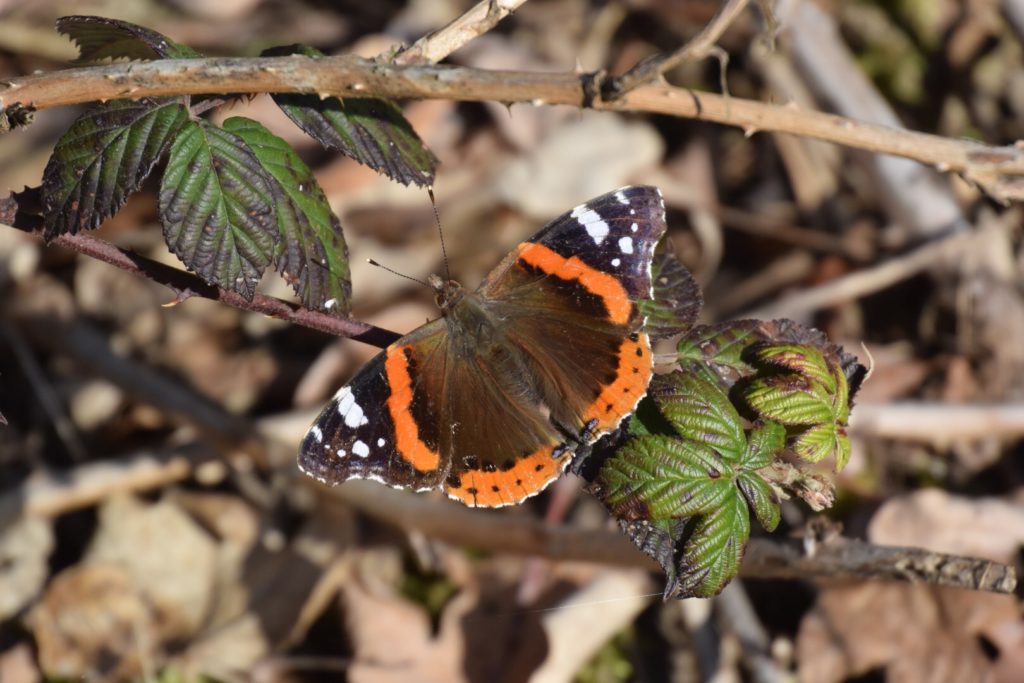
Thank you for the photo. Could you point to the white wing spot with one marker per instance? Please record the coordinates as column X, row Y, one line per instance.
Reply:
column 341, row 452
column 381, row 442
column 623, row 199
column 616, row 262
column 361, row 449
column 330, row 303
column 349, row 410
column 626, row 245
column 591, row 221
column 632, row 212
column 634, row 227
column 317, row 434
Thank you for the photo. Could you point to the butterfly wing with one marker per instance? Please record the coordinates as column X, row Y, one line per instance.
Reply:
column 572, row 292
column 385, row 424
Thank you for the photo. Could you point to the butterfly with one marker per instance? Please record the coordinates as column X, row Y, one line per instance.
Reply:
column 490, row 401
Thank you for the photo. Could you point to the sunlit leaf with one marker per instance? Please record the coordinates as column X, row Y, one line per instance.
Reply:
column 102, row 38
column 761, row 498
column 700, row 410
column 765, row 441
column 218, row 209
column 659, row 477
column 105, row 156
column 370, row 130
column 819, row 442
column 800, row 358
column 712, row 553
column 311, row 254
column 789, row 399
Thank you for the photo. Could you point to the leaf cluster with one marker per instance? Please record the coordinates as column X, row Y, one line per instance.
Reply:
column 692, row 465
column 233, row 199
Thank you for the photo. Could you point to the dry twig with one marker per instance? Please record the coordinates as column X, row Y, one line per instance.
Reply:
column 699, row 47
column 478, row 20
column 1000, row 170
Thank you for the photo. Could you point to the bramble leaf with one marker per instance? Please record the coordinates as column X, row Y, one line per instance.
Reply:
column 701, row 411
column 790, row 399
column 761, row 498
column 676, row 301
column 105, row 156
column 822, row 441
column 369, row 130
column 721, row 344
column 765, row 441
column 217, row 208
column 311, row 254
column 102, row 38
column 712, row 552
column 658, row 477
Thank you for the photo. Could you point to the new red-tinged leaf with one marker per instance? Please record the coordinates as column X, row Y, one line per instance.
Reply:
column 800, row 358
column 105, row 156
column 789, row 399
column 217, row 207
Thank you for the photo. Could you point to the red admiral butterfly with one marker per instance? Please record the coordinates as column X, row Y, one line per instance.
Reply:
column 491, row 400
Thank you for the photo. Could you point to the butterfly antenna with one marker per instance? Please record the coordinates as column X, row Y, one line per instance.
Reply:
column 437, row 220
column 395, row 272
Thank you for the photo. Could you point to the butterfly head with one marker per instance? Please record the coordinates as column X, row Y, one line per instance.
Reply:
column 447, row 293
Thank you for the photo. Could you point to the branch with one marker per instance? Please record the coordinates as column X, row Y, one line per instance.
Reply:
column 702, row 44
column 1000, row 170
column 478, row 20
column 835, row 558
column 60, row 491
column 186, row 285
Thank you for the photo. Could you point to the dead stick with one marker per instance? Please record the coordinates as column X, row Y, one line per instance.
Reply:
column 999, row 169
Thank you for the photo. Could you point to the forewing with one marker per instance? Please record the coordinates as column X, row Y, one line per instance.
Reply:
column 384, row 424
column 570, row 293
column 612, row 235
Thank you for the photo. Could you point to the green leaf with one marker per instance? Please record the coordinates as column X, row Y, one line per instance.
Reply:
column 789, row 399
column 841, row 399
column 659, row 477
column 676, row 299
column 712, row 554
column 802, row 359
column 766, row 440
column 371, row 131
column 102, row 38
column 721, row 344
column 105, row 156
column 311, row 254
column 700, row 410
column 761, row 498
column 217, row 208
column 820, row 442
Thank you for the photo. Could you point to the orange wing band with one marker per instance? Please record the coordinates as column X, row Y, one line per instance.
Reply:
column 619, row 398
column 407, row 434
column 529, row 475
column 611, row 291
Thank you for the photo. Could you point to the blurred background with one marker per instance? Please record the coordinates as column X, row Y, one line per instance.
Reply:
column 153, row 525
